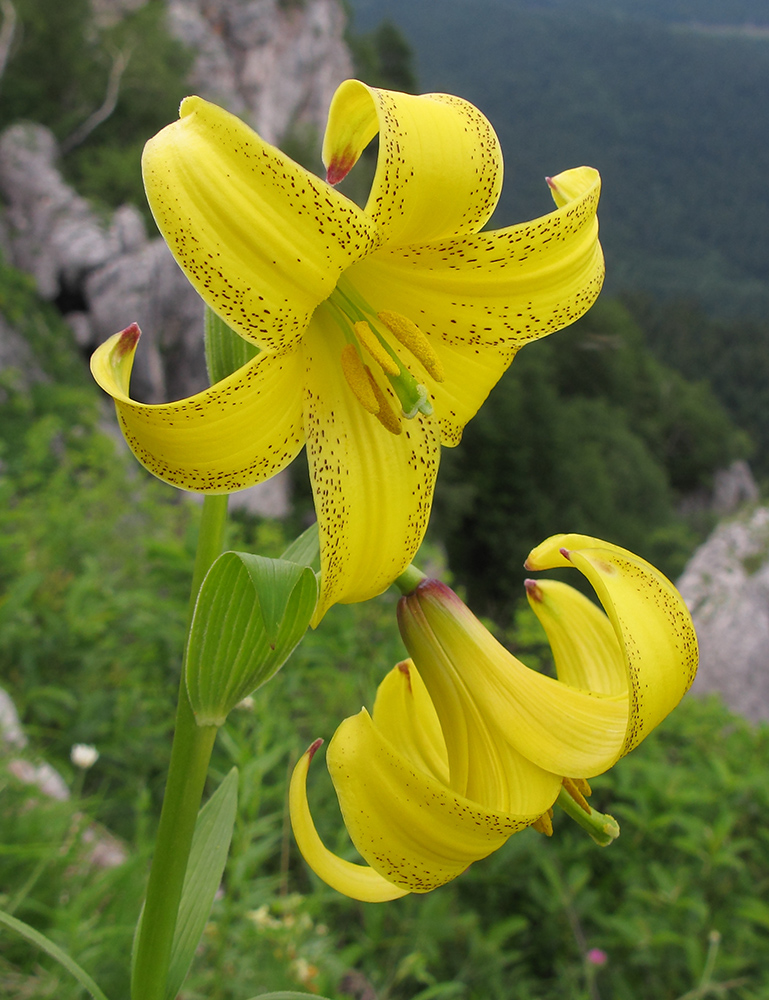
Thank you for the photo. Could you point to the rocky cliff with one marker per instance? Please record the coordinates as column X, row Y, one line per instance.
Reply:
column 726, row 586
column 274, row 62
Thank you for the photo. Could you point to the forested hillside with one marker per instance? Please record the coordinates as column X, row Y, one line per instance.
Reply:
column 672, row 115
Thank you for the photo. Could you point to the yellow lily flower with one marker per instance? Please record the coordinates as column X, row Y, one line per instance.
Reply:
column 467, row 745
column 380, row 330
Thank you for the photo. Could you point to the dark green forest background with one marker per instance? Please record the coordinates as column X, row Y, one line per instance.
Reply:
column 668, row 100
column 673, row 114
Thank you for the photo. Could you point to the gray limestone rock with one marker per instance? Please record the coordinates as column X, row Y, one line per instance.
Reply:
column 52, row 232
column 275, row 64
column 726, row 587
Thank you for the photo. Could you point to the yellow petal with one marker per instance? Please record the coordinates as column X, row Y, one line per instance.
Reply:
column 356, row 881
column 468, row 673
column 479, row 298
column 262, row 240
column 409, row 827
column 650, row 620
column 439, row 171
column 405, row 716
column 585, row 649
column 373, row 489
column 238, row 432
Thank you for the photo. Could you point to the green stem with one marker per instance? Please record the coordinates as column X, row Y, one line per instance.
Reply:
column 601, row 827
column 190, row 754
column 409, row 580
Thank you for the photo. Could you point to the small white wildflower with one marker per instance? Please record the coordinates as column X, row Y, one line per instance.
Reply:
column 84, row 756
column 262, row 919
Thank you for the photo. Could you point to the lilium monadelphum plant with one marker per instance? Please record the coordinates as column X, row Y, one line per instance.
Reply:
column 467, row 745
column 380, row 330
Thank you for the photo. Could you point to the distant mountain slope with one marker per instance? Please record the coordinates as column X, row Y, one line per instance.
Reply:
column 674, row 117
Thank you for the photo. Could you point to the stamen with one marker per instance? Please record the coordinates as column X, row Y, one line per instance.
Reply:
column 386, row 416
column 359, row 379
column 583, row 785
column 369, row 339
column 571, row 787
column 545, row 823
column 412, row 338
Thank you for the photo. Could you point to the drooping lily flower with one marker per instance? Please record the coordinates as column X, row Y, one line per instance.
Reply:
column 380, row 330
column 467, row 745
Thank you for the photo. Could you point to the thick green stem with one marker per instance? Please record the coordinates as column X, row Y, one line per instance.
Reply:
column 190, row 754
column 601, row 827
column 409, row 580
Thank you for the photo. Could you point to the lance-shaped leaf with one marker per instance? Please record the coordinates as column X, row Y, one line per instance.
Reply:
column 305, row 550
column 226, row 351
column 250, row 614
column 208, row 856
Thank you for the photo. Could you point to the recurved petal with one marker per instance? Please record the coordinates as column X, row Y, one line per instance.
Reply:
column 262, row 240
column 373, row 489
column 650, row 620
column 479, row 298
column 236, row 433
column 356, row 881
column 439, row 170
column 557, row 728
column 405, row 716
column 585, row 649
column 407, row 825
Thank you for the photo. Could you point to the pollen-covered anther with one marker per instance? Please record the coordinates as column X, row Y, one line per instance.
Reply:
column 408, row 333
column 386, row 415
column 571, row 786
column 359, row 379
column 369, row 339
column 583, row 785
column 544, row 824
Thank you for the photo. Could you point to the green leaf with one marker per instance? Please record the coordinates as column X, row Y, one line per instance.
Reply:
column 305, row 549
column 42, row 942
column 208, row 856
column 226, row 351
column 250, row 614
column 274, row 580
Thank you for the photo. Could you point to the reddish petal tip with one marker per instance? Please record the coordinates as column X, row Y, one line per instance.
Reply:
column 313, row 748
column 533, row 590
column 550, row 183
column 566, row 554
column 128, row 340
column 340, row 167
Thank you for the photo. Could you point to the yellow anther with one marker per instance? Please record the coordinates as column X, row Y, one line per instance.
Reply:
column 583, row 786
column 386, row 416
column 545, row 823
column 359, row 379
column 570, row 784
column 414, row 340
column 369, row 339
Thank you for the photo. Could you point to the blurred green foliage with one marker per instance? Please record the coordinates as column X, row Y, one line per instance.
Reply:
column 732, row 355
column 95, row 562
column 586, row 432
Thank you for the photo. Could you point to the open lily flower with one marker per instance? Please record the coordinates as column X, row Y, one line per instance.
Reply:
column 467, row 745
column 381, row 330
